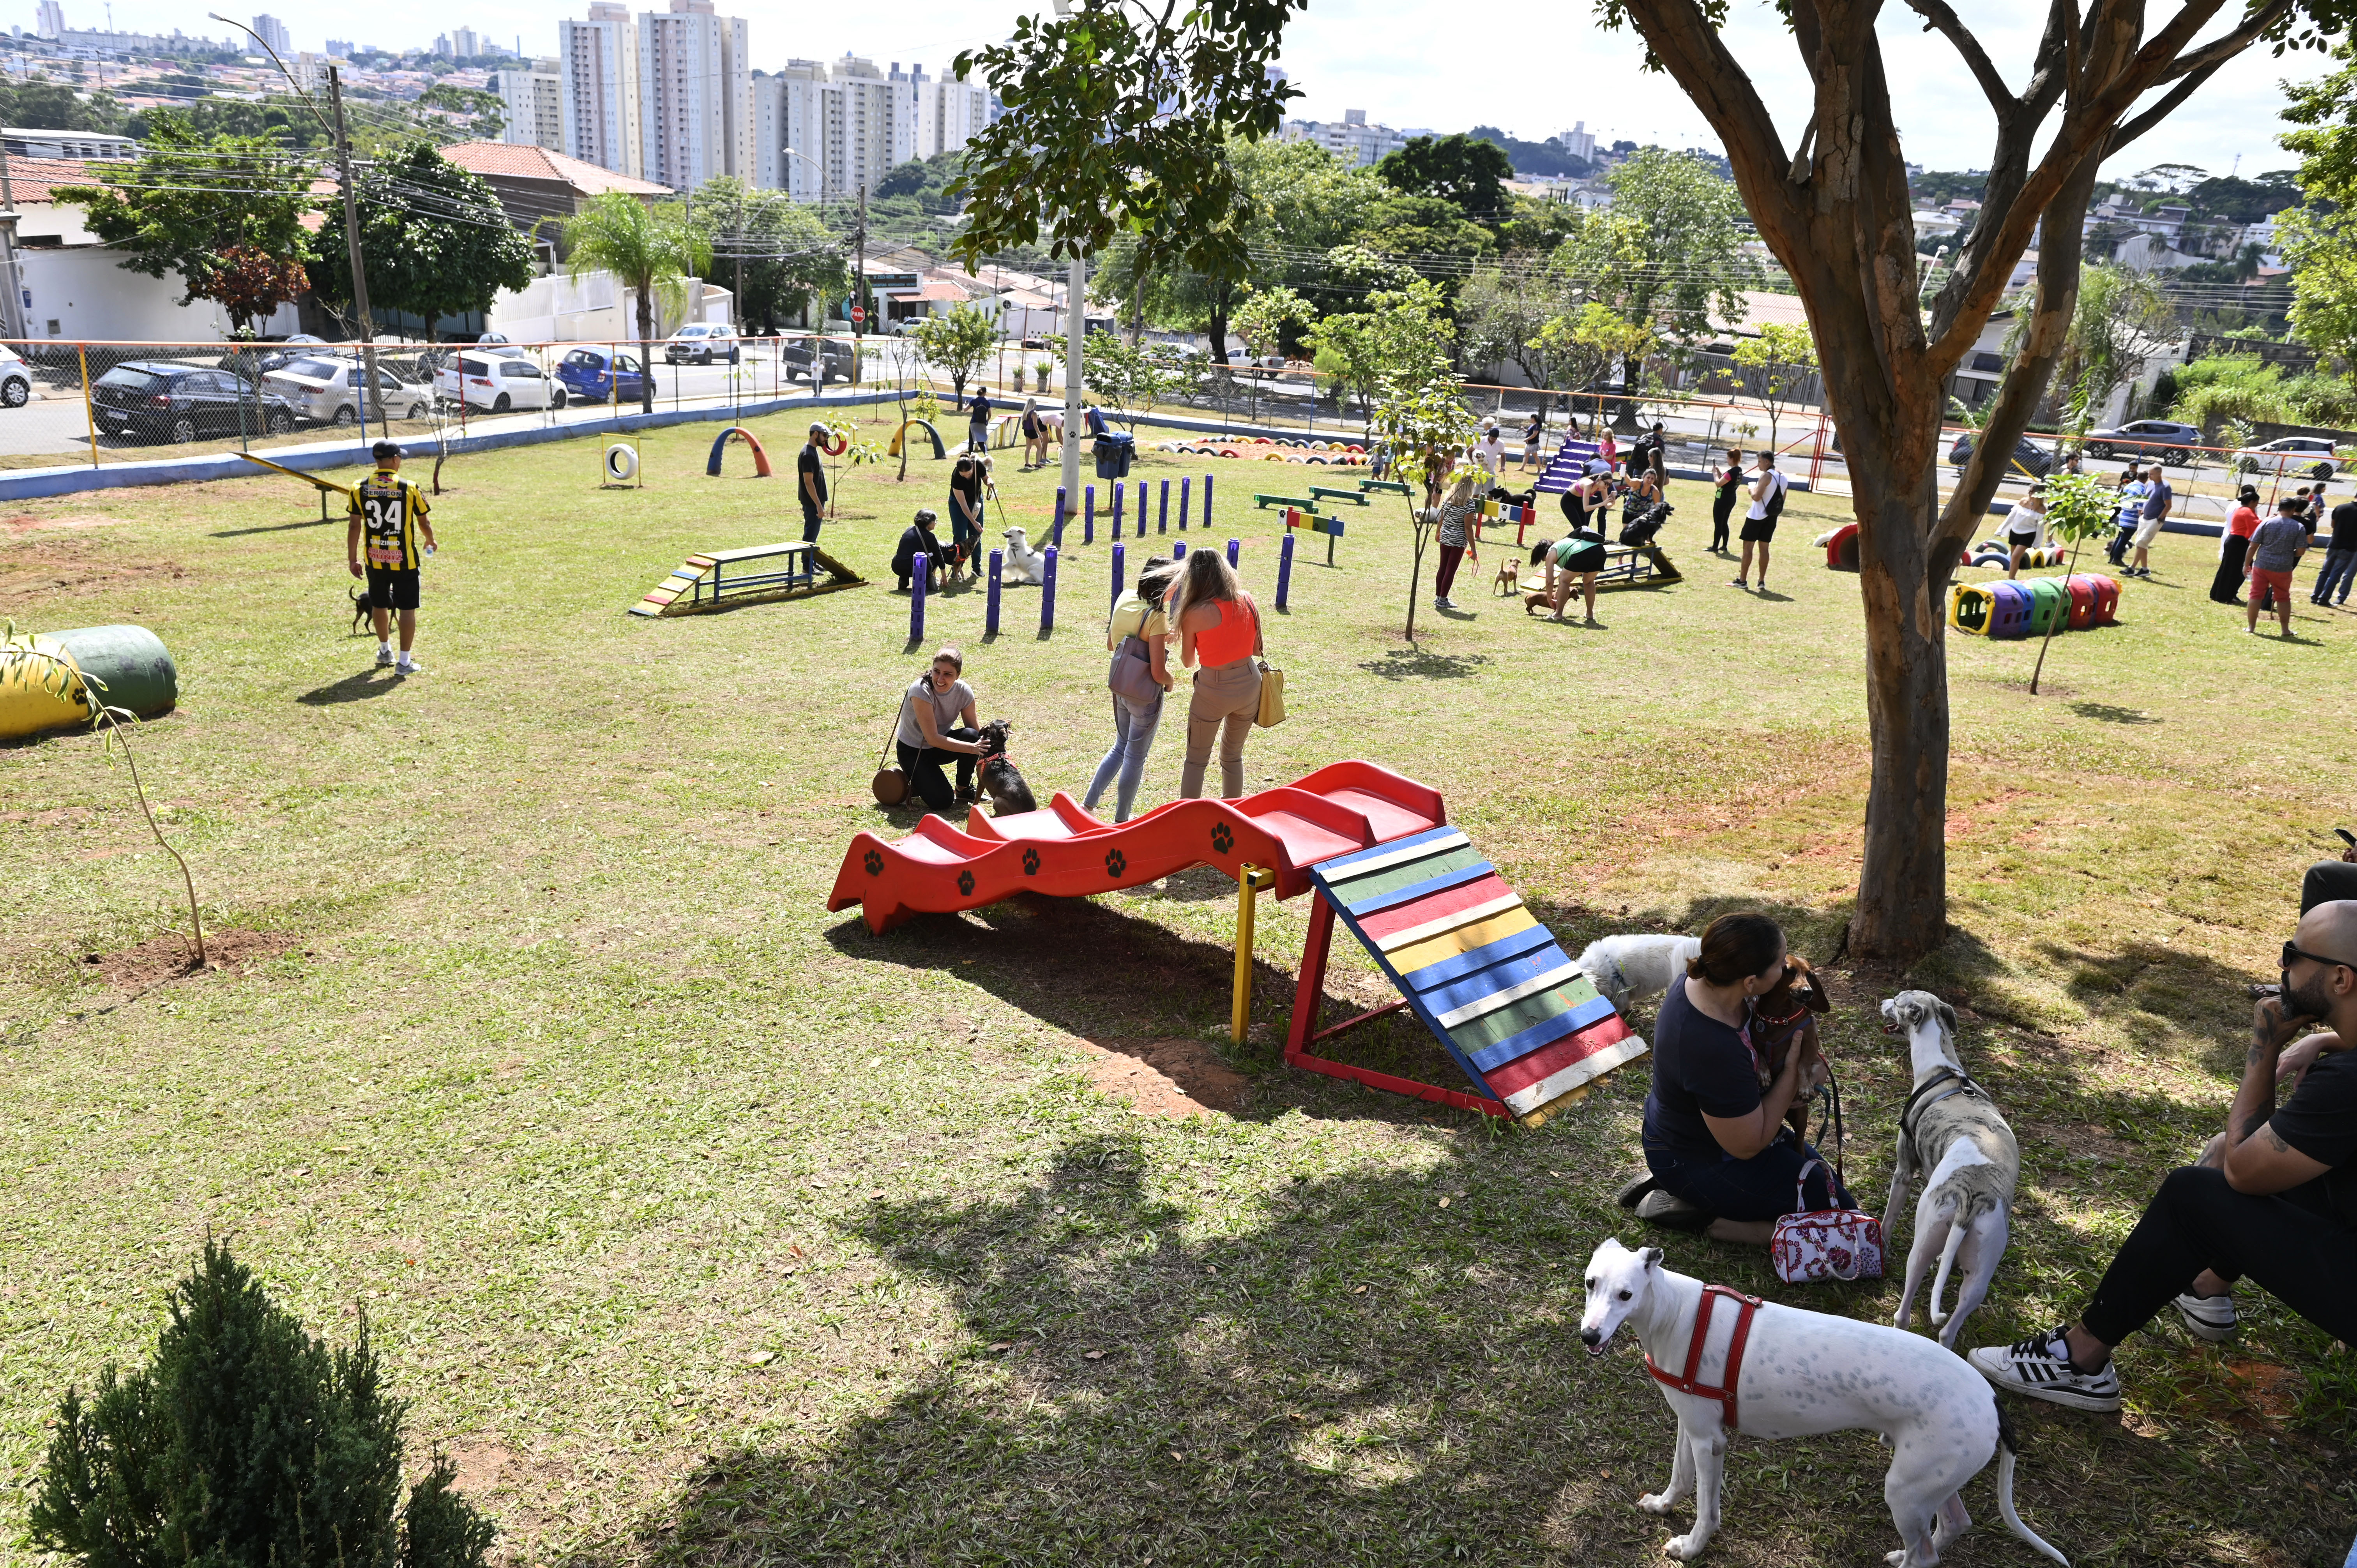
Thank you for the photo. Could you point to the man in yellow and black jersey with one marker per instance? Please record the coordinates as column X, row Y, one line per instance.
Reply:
column 388, row 518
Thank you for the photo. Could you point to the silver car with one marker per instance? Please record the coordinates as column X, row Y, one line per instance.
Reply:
column 328, row 391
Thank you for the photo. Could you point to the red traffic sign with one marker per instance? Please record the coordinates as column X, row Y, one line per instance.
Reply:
column 858, row 313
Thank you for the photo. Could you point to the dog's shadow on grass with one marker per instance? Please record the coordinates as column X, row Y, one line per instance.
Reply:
column 357, row 687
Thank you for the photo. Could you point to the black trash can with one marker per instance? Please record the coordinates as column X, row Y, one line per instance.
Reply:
column 1115, row 451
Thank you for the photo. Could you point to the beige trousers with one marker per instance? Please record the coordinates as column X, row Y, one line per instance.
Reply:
column 1225, row 704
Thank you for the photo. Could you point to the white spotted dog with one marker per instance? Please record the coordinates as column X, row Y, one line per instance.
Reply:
column 1952, row 1129
column 1626, row 969
column 1727, row 1362
column 1022, row 563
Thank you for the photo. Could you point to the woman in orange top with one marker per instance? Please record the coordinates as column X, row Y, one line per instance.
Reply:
column 2226, row 587
column 1219, row 630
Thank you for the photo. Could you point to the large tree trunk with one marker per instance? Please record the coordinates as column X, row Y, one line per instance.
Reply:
column 1219, row 325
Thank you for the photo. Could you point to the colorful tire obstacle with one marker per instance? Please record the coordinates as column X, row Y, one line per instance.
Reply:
column 57, row 680
column 1272, row 449
column 720, row 444
column 2034, row 607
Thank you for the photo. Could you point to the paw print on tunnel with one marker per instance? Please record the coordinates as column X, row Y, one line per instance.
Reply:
column 1115, row 863
column 965, row 883
column 875, row 863
column 1224, row 838
column 1030, row 863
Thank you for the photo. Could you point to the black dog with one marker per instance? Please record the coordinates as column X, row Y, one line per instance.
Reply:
column 1513, row 497
column 1008, row 793
column 362, row 607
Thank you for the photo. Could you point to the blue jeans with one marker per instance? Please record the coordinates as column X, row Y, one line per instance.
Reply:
column 1760, row 1187
column 2340, row 567
column 1133, row 737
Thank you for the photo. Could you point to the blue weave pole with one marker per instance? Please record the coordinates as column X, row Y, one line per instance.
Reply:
column 1088, row 514
column 1117, row 509
column 1056, row 535
column 1184, row 485
column 1047, row 594
column 1118, row 552
column 1207, row 500
column 1178, row 549
column 1162, row 515
column 1235, row 549
column 1284, row 570
column 990, row 612
column 919, row 569
column 1141, row 509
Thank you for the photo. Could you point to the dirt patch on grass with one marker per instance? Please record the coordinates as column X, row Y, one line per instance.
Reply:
column 2273, row 1390
column 26, row 522
column 166, row 958
column 1166, row 1077
column 67, row 566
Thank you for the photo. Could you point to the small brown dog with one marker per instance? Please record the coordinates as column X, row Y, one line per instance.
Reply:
column 1534, row 603
column 1785, row 1015
column 1508, row 583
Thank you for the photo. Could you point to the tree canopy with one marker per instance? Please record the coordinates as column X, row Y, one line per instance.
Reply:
column 433, row 241
column 773, row 246
column 1466, row 171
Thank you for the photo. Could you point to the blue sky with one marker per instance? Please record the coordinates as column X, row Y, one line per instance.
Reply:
column 1532, row 70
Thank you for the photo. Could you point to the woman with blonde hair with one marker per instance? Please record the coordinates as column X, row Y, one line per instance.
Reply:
column 1035, row 436
column 1455, row 508
column 1219, row 630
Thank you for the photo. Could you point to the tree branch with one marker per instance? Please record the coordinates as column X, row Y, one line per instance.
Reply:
column 2166, row 105
column 2217, row 53
column 1940, row 17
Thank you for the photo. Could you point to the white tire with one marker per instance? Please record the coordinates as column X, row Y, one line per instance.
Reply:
column 621, row 462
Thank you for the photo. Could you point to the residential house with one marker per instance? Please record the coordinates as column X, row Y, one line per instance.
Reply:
column 539, row 187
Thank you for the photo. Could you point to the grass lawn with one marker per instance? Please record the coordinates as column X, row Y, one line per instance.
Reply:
column 700, row 1225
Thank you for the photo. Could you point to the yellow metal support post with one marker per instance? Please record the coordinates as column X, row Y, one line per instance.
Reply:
column 1250, row 880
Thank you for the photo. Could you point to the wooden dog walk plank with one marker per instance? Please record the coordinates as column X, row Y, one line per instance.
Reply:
column 1478, row 969
column 1326, row 493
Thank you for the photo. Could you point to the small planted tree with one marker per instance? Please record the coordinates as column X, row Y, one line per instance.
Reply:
column 957, row 344
column 1133, row 377
column 1426, row 425
column 244, row 1440
column 1782, row 359
column 2078, row 508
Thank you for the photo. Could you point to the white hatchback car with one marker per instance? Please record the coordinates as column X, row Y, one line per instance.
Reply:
column 2309, row 455
column 328, row 391
column 497, row 382
column 702, row 342
column 15, row 379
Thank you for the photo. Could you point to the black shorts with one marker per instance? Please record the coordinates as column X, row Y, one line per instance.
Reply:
column 1588, row 560
column 391, row 590
column 1758, row 529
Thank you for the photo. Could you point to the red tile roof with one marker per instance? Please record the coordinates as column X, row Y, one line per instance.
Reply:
column 539, row 163
column 32, row 177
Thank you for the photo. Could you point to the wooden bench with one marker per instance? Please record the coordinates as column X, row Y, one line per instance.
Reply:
column 1305, row 503
column 1324, row 494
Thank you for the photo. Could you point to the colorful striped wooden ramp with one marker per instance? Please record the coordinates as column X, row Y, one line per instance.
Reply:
column 1479, row 970
column 728, row 577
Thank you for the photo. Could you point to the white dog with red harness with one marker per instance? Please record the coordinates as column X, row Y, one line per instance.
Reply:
column 1774, row 1371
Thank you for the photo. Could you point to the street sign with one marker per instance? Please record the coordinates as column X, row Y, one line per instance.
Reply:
column 858, row 313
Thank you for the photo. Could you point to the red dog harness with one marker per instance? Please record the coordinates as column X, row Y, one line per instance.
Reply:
column 1691, row 1384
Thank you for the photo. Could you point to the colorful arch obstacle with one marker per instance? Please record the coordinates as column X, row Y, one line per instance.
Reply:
column 923, row 426
column 720, row 445
column 57, row 680
column 1377, row 852
column 2034, row 606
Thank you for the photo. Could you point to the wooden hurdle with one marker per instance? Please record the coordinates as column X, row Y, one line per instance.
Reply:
column 1331, row 527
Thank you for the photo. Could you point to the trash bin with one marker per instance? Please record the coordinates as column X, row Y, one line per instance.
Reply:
column 1114, row 452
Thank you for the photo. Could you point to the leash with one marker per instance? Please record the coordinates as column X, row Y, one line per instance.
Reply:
column 1692, row 1383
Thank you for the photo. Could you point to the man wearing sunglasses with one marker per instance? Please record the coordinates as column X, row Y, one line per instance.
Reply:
column 2275, row 1199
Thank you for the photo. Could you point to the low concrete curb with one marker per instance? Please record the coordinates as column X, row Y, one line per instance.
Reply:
column 24, row 484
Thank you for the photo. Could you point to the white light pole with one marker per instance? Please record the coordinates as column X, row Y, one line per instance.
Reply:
column 1075, row 330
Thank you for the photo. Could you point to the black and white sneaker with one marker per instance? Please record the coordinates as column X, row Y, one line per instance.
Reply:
column 2211, row 1316
column 2039, row 1367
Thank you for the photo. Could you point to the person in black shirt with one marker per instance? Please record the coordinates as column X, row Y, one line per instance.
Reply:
column 977, row 429
column 1725, row 485
column 965, row 510
column 810, row 483
column 2274, row 1196
column 2339, row 556
column 918, row 539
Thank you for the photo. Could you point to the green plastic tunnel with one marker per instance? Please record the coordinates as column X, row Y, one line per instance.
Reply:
column 121, row 666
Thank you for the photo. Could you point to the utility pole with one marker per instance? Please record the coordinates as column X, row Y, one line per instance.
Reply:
column 1075, row 330
column 359, row 278
column 859, row 287
column 12, row 311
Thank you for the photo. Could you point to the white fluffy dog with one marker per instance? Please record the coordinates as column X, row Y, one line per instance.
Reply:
column 1802, row 1373
column 1022, row 565
column 1628, row 968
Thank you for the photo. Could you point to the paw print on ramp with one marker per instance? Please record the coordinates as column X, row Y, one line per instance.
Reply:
column 875, row 863
column 965, row 883
column 1224, row 838
column 1030, row 863
column 1115, row 863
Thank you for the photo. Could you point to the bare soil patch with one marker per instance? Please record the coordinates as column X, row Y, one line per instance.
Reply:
column 167, row 958
column 27, row 522
column 1166, row 1077
column 68, row 566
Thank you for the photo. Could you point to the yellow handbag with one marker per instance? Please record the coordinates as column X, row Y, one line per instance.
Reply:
column 1272, row 697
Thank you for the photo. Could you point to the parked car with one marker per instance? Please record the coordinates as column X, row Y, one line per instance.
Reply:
column 496, row 343
column 158, row 400
column 2162, row 438
column 15, row 379
column 499, row 383
column 703, row 342
column 328, row 391
column 2309, row 455
column 2028, row 454
column 595, row 375
column 831, row 356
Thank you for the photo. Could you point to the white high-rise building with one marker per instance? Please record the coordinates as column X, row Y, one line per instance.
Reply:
column 597, row 71
column 965, row 112
column 1578, row 141
column 789, row 113
column 533, row 104
column 465, row 44
column 273, row 31
column 49, row 18
column 857, row 122
column 1350, row 139
column 696, row 95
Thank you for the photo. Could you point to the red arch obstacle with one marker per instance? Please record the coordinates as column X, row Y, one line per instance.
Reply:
column 721, row 443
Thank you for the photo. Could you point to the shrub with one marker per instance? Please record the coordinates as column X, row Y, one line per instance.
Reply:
column 245, row 1441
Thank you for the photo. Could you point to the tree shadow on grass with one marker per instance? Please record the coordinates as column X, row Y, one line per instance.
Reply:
column 2112, row 713
column 1402, row 664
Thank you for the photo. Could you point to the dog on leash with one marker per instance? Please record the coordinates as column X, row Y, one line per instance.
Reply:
column 1952, row 1130
column 1000, row 780
column 1625, row 968
column 1023, row 564
column 1727, row 1363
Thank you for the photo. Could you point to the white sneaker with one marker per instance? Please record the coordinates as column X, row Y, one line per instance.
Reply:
column 384, row 657
column 409, row 666
column 2210, row 1317
column 2039, row 1367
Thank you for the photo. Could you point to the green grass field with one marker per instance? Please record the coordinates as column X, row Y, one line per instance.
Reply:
column 701, row 1226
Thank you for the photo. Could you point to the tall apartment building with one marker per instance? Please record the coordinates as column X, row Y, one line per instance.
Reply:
column 465, row 43
column 1350, row 138
column 533, row 106
column 597, row 72
column 1578, row 141
column 273, row 31
column 857, row 124
column 789, row 119
column 696, row 95
column 341, row 48
column 48, row 18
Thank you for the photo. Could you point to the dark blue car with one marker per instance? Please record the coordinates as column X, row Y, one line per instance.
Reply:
column 596, row 375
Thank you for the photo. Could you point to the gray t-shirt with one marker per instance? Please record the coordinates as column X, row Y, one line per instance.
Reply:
column 2276, row 545
column 947, row 707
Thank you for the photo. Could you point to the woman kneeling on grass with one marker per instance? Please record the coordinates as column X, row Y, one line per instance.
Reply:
column 1578, row 556
column 1715, row 1136
column 1219, row 627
